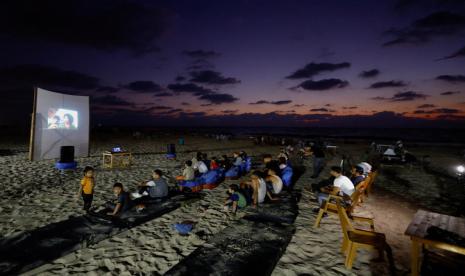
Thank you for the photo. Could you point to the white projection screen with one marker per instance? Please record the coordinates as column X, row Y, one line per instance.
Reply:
column 59, row 120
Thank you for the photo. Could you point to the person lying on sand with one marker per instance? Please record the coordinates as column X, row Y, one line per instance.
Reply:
column 236, row 199
column 152, row 189
column 342, row 186
column 123, row 202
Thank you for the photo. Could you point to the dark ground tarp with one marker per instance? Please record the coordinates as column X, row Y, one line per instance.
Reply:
column 34, row 248
column 252, row 246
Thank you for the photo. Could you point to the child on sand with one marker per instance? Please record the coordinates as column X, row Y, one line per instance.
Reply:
column 123, row 202
column 86, row 189
column 236, row 200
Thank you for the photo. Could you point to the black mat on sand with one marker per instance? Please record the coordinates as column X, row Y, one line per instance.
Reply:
column 34, row 248
column 251, row 246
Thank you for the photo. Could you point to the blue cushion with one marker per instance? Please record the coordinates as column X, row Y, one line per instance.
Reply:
column 171, row 155
column 232, row 172
column 183, row 228
column 66, row 166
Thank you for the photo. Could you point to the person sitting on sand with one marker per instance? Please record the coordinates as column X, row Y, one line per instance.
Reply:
column 214, row 164
column 188, row 173
column 274, row 184
column 225, row 163
column 86, row 189
column 155, row 188
column 283, row 154
column 269, row 163
column 342, row 186
column 123, row 202
column 357, row 175
column 236, row 200
column 243, row 155
column 255, row 189
column 199, row 166
column 237, row 159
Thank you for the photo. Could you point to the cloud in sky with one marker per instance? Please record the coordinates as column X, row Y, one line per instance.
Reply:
column 201, row 54
column 449, row 93
column 202, row 93
column 313, row 69
column 322, row 109
column 426, row 106
column 459, row 53
column 29, row 75
column 451, row 78
column 384, row 84
column 163, row 94
column 281, row 102
column 110, row 100
column 369, row 73
column 107, row 89
column 404, row 96
column 324, row 84
column 423, row 30
column 143, row 86
column 106, row 25
column 211, row 77
column 438, row 111
column 219, row 98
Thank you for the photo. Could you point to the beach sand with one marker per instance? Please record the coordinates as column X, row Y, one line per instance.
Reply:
column 34, row 194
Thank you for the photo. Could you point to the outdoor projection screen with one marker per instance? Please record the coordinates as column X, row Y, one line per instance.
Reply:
column 59, row 120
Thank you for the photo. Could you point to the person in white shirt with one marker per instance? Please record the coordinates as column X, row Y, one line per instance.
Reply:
column 342, row 186
column 366, row 168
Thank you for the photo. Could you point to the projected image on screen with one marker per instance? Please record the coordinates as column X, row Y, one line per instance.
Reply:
column 60, row 118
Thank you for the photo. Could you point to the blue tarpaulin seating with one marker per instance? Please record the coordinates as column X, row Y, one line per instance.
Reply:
column 208, row 180
column 233, row 173
column 66, row 165
column 286, row 176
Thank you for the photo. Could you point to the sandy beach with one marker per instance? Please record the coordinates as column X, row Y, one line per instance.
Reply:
column 35, row 194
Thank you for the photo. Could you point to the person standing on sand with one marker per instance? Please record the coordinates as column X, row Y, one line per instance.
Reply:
column 86, row 189
column 318, row 159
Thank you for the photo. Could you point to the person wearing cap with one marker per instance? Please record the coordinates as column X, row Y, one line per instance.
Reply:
column 366, row 168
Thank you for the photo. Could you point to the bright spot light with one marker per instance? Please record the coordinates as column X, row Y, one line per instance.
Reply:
column 461, row 169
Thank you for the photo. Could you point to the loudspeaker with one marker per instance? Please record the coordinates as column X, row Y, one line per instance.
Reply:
column 170, row 149
column 67, row 154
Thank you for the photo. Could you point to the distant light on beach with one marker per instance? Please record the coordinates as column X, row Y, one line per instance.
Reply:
column 460, row 169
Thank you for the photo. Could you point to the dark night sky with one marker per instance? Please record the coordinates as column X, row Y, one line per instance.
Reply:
column 252, row 63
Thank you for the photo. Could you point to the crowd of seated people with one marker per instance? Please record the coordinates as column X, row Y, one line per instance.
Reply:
column 264, row 184
column 339, row 184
